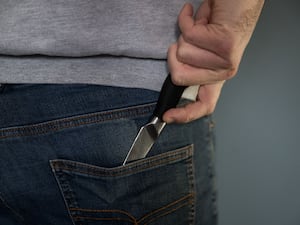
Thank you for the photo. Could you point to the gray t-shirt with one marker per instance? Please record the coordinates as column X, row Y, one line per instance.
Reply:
column 108, row 42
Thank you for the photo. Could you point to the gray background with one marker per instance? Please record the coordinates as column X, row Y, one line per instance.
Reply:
column 257, row 117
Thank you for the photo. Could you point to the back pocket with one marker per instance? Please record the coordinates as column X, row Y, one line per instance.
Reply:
column 157, row 190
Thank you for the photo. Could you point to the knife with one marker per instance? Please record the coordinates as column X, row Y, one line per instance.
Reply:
column 169, row 97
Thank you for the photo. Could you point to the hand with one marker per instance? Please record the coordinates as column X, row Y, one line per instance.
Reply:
column 209, row 50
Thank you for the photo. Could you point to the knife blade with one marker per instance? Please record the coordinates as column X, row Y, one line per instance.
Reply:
column 169, row 97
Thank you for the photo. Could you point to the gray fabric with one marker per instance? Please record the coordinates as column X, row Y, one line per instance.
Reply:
column 110, row 42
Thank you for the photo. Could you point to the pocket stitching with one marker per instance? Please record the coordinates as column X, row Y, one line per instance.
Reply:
column 132, row 168
column 131, row 217
column 64, row 196
column 184, row 153
column 191, row 179
column 184, row 201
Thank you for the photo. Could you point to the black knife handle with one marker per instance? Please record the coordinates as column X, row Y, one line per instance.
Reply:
column 169, row 97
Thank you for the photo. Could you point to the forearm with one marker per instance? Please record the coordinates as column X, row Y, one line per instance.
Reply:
column 240, row 15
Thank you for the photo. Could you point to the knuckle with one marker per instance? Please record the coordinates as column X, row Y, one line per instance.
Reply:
column 181, row 53
column 227, row 50
column 230, row 69
column 230, row 73
column 177, row 78
column 188, row 36
column 188, row 117
column 171, row 48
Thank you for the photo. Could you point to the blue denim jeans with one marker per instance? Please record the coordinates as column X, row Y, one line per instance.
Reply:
column 61, row 154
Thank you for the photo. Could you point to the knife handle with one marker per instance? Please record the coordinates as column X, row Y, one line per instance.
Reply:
column 169, row 97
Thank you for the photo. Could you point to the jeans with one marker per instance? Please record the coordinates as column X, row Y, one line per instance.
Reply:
column 61, row 154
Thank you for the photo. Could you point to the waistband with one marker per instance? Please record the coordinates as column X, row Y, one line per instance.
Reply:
column 29, row 104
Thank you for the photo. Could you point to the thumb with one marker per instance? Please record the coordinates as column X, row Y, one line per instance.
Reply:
column 203, row 13
column 185, row 18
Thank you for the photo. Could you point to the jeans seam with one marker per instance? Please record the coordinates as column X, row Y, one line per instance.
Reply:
column 63, row 185
column 75, row 121
column 191, row 178
column 212, row 175
column 19, row 217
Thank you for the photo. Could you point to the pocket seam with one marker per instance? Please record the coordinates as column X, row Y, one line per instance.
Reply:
column 148, row 218
column 131, row 168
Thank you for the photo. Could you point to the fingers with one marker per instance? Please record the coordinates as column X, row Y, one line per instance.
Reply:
column 199, row 57
column 185, row 114
column 185, row 18
column 204, row 53
column 203, row 13
column 212, row 37
column 208, row 96
column 188, row 75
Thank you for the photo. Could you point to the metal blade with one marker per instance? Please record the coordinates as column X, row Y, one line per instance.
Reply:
column 144, row 140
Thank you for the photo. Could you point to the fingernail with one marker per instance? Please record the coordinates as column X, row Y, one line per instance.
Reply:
column 169, row 120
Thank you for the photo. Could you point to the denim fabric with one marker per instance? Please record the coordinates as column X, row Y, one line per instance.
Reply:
column 61, row 154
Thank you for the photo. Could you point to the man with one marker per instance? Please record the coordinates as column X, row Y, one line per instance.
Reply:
column 62, row 144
